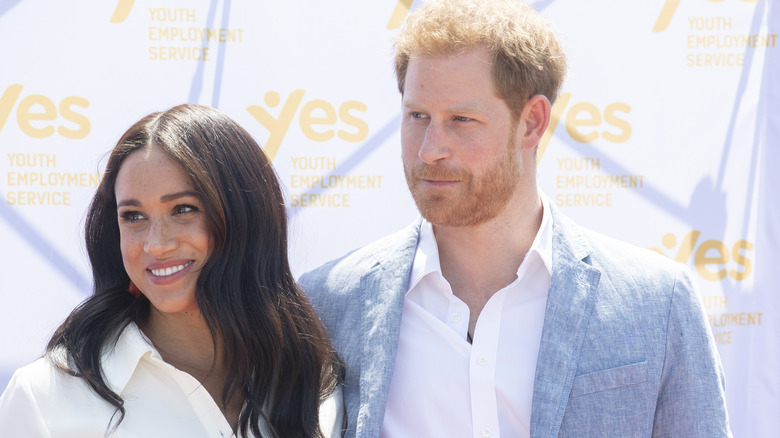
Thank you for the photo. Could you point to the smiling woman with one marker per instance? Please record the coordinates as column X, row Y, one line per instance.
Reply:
column 163, row 231
column 196, row 326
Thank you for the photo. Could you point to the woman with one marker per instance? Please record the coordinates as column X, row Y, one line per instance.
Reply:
column 196, row 326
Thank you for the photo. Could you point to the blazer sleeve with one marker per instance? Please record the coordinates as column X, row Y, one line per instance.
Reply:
column 691, row 399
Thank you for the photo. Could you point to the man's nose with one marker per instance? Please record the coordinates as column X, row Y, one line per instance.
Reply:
column 435, row 145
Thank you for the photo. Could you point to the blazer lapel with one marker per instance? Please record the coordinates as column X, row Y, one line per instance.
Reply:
column 569, row 305
column 385, row 287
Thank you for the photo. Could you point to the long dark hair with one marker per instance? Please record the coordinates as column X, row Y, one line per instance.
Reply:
column 276, row 351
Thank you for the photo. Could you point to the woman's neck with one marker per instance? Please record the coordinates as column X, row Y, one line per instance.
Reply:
column 184, row 341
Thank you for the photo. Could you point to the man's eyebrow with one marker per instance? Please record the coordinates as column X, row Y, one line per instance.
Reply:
column 467, row 108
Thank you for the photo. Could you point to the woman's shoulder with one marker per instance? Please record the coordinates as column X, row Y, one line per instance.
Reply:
column 332, row 414
column 45, row 377
column 39, row 374
column 34, row 392
column 54, row 377
column 41, row 398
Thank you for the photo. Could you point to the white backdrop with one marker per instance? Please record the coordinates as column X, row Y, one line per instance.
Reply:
column 666, row 135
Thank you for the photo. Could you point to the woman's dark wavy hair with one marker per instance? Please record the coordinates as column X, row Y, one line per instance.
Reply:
column 276, row 351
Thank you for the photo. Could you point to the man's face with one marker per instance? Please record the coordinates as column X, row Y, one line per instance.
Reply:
column 459, row 141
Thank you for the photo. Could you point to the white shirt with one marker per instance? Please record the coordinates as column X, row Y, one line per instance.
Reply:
column 442, row 386
column 160, row 401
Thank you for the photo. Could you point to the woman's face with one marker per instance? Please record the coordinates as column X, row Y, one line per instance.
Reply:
column 162, row 227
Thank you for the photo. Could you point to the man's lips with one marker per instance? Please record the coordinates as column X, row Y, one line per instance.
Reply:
column 439, row 181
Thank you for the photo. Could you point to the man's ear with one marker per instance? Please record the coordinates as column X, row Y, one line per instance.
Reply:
column 535, row 117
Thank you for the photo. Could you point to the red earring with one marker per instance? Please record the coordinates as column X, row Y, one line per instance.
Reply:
column 133, row 289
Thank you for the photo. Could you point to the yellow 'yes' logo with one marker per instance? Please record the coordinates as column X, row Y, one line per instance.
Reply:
column 584, row 122
column 29, row 110
column 711, row 257
column 312, row 113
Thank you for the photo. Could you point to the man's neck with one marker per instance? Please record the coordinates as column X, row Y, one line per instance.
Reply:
column 479, row 261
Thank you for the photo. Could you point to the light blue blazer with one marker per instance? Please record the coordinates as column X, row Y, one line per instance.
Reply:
column 626, row 350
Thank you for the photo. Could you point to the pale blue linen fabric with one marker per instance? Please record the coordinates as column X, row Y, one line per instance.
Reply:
column 626, row 350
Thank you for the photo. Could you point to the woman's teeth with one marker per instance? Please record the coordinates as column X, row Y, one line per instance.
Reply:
column 169, row 271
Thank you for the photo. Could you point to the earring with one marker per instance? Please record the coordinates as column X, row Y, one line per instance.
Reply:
column 133, row 289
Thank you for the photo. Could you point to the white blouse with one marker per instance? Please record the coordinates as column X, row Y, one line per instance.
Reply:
column 160, row 400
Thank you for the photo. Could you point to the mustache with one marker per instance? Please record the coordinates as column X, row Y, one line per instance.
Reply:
column 422, row 171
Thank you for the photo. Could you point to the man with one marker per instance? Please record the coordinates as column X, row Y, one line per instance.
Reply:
column 495, row 315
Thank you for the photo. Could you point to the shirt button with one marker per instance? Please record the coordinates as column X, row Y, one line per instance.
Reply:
column 455, row 317
column 486, row 432
column 482, row 361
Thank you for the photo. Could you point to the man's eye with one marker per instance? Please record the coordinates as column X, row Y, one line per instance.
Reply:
column 461, row 119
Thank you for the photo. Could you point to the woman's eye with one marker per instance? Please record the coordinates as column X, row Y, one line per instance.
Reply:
column 184, row 209
column 131, row 216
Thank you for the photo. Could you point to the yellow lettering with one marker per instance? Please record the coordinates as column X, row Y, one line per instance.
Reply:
column 80, row 120
column 400, row 11
column 686, row 247
column 623, row 125
column 320, row 200
column 39, row 198
column 573, row 122
column 7, row 101
column 276, row 126
column 307, row 119
column 349, row 119
column 739, row 257
column 723, row 338
column 122, row 11
column 670, row 7
column 701, row 260
column 584, row 200
column 24, row 115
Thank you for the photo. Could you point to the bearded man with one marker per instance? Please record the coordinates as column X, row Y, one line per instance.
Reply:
column 493, row 314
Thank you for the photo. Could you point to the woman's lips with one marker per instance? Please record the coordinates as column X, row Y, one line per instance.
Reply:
column 164, row 273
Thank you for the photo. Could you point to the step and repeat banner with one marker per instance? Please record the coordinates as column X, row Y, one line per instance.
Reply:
column 666, row 135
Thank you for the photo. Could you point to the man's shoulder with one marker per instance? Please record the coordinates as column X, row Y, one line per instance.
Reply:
column 617, row 259
column 338, row 274
column 619, row 255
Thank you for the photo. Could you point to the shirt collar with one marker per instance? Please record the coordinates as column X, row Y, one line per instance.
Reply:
column 119, row 363
column 542, row 245
column 426, row 257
